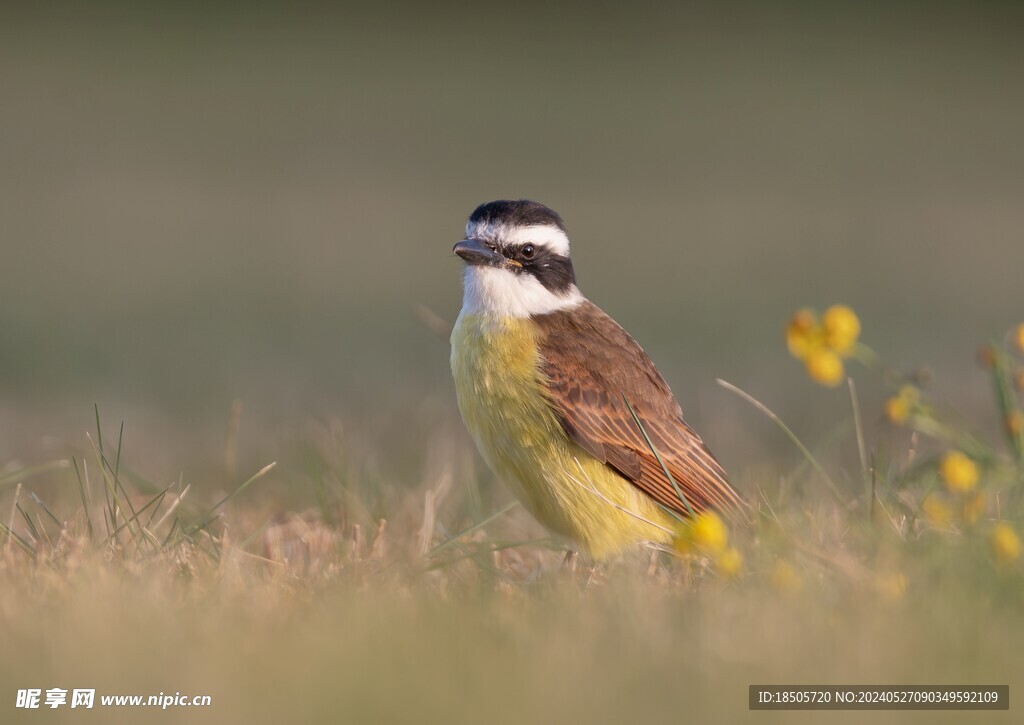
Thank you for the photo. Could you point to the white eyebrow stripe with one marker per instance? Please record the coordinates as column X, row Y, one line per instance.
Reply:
column 540, row 234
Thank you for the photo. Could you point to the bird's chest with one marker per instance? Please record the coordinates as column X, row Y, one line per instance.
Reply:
column 495, row 363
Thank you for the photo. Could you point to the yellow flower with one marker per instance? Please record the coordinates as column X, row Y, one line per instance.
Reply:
column 842, row 328
column 897, row 410
column 959, row 472
column 822, row 344
column 936, row 511
column 1018, row 337
column 803, row 333
column 709, row 533
column 825, row 367
column 898, row 407
column 973, row 507
column 891, row 585
column 785, row 578
column 730, row 562
column 1005, row 543
column 1015, row 422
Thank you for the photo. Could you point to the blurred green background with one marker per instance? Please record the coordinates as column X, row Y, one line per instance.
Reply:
column 201, row 204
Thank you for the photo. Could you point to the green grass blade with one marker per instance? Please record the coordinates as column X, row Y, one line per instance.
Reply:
column 28, row 521
column 208, row 517
column 679, row 491
column 789, row 433
column 117, row 460
column 135, row 516
column 475, row 527
column 85, row 502
column 39, row 502
column 15, row 477
column 12, row 536
column 861, row 447
column 156, row 509
column 488, row 549
column 1007, row 401
column 111, row 487
column 99, row 429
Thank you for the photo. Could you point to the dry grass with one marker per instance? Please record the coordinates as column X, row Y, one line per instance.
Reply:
column 438, row 601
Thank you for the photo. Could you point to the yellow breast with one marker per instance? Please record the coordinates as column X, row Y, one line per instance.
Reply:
column 496, row 365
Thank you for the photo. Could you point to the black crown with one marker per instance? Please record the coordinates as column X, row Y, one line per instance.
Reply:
column 520, row 213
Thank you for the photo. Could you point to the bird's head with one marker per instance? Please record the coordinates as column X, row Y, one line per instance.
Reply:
column 517, row 260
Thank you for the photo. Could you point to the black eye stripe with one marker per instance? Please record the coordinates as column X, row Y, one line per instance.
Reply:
column 552, row 270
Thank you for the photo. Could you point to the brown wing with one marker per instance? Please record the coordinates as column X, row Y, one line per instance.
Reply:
column 592, row 366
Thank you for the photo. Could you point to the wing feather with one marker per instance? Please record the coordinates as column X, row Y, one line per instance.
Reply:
column 591, row 367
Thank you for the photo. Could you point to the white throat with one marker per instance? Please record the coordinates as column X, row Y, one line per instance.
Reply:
column 502, row 292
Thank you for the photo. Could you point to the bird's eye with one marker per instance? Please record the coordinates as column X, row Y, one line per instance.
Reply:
column 528, row 251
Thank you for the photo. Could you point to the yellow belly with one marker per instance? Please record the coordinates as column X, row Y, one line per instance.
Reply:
column 498, row 381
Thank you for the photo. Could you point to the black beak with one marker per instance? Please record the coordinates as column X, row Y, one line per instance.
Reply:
column 475, row 252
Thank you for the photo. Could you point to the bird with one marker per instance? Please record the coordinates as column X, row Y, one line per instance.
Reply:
column 562, row 403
